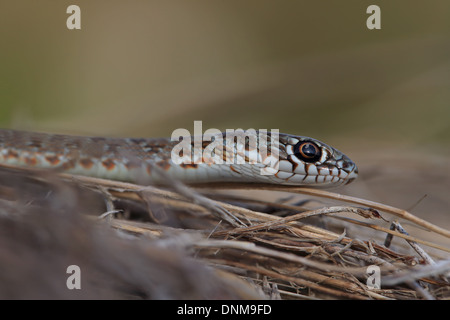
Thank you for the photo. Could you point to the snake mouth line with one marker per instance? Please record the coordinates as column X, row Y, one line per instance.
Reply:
column 341, row 177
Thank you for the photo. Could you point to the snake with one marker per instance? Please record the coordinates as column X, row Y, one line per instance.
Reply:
column 300, row 161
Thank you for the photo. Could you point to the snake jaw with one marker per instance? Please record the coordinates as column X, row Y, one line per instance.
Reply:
column 353, row 174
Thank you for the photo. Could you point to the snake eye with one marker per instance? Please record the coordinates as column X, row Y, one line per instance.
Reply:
column 307, row 151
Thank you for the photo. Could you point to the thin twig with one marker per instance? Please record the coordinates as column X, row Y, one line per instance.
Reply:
column 425, row 256
column 331, row 195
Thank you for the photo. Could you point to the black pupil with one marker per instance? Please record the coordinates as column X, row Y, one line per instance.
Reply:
column 309, row 150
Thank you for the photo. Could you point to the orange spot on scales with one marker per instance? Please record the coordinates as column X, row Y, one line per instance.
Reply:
column 68, row 165
column 31, row 161
column 189, row 165
column 12, row 154
column 233, row 169
column 53, row 160
column 86, row 163
column 108, row 164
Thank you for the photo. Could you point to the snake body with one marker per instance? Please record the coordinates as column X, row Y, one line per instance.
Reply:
column 300, row 160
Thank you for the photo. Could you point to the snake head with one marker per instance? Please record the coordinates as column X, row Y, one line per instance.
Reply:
column 263, row 157
column 307, row 161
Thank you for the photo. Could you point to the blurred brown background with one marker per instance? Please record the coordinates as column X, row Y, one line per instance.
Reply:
column 145, row 68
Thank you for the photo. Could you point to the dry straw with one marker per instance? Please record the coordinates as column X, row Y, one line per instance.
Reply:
column 293, row 247
column 289, row 250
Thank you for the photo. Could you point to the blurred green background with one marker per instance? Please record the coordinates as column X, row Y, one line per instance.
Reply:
column 145, row 68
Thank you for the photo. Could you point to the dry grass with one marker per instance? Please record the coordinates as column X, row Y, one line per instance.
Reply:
column 241, row 247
